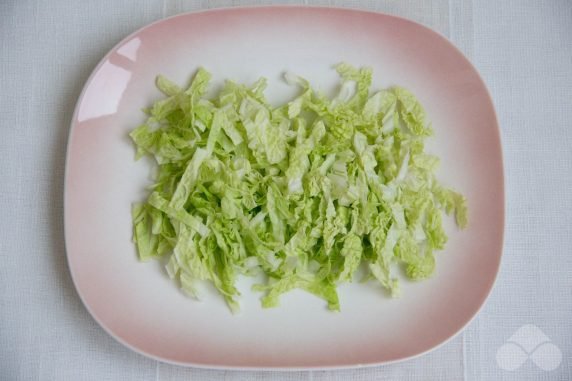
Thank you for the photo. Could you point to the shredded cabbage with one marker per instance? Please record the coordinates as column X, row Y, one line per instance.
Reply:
column 304, row 193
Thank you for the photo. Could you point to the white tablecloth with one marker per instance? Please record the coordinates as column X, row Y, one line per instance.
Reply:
column 523, row 49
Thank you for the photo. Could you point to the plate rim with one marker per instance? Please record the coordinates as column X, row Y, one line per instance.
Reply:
column 266, row 368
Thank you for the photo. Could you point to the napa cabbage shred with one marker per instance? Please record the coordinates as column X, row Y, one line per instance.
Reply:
column 303, row 193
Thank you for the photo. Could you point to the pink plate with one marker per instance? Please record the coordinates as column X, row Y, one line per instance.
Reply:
column 142, row 308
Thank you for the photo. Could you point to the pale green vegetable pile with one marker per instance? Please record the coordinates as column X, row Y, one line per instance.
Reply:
column 304, row 192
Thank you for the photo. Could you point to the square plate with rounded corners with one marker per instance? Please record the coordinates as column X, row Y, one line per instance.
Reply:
column 138, row 305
